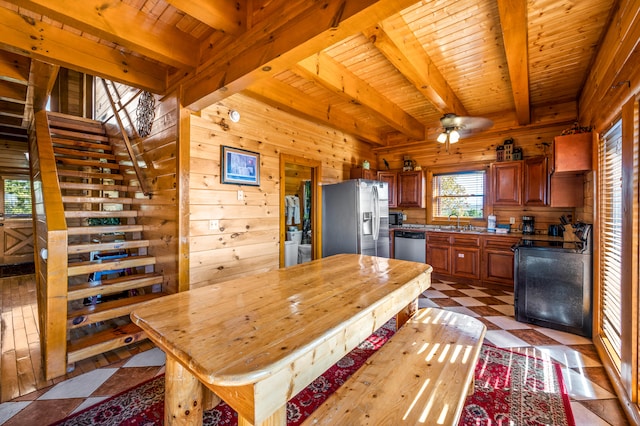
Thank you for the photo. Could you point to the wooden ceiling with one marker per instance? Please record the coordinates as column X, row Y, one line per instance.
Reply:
column 384, row 70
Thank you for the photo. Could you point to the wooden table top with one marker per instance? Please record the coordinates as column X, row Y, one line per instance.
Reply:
column 242, row 331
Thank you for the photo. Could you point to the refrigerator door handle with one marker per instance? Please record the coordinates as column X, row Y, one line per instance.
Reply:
column 376, row 213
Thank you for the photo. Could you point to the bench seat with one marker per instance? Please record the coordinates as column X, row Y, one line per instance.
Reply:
column 422, row 375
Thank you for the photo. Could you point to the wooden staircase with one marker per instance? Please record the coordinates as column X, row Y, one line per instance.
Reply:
column 109, row 269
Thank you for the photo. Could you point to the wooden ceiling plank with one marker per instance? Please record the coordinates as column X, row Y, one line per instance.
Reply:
column 229, row 16
column 513, row 19
column 289, row 99
column 263, row 52
column 123, row 25
column 408, row 56
column 48, row 43
column 14, row 67
column 337, row 78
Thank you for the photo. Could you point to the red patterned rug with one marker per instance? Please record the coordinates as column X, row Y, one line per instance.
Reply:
column 510, row 389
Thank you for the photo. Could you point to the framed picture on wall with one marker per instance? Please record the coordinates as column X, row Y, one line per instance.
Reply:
column 240, row 167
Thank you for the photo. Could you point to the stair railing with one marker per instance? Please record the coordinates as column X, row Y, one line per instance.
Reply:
column 125, row 136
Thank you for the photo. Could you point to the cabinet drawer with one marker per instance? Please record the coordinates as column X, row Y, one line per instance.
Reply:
column 465, row 240
column 438, row 238
column 498, row 243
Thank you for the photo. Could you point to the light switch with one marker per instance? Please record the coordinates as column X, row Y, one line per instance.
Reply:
column 240, row 195
column 214, row 224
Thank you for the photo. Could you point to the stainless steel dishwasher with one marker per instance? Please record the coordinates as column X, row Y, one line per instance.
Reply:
column 410, row 245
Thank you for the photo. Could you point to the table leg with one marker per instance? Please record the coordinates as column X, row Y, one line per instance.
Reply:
column 403, row 316
column 183, row 402
column 278, row 418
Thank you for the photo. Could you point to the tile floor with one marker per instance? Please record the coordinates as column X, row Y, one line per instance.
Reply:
column 592, row 397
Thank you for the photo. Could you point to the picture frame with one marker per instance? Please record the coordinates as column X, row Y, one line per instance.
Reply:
column 239, row 166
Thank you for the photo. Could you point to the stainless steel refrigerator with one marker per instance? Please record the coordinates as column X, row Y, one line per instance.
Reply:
column 355, row 218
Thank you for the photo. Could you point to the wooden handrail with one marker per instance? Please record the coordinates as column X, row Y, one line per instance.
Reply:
column 50, row 244
column 127, row 142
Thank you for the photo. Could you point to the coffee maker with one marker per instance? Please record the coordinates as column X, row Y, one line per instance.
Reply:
column 528, row 225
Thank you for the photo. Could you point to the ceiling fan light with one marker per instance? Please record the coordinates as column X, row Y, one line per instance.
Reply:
column 454, row 136
column 442, row 137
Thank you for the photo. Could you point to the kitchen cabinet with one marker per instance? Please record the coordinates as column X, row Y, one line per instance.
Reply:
column 517, row 183
column 465, row 256
column 360, row 173
column 439, row 252
column 392, row 183
column 536, row 179
column 572, row 153
column 411, row 189
column 566, row 190
column 507, row 183
column 498, row 260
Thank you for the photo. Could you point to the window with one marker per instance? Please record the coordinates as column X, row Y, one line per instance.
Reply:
column 610, row 207
column 459, row 193
column 17, row 198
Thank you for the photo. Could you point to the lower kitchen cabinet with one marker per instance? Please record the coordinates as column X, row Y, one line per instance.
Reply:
column 439, row 253
column 465, row 256
column 498, row 260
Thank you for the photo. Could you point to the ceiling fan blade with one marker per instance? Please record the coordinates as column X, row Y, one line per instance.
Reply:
column 465, row 123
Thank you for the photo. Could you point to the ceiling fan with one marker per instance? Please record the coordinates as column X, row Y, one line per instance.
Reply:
column 455, row 126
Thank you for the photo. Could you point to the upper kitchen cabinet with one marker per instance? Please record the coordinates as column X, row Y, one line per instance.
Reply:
column 507, row 183
column 361, row 173
column 572, row 153
column 392, row 182
column 411, row 189
column 536, row 179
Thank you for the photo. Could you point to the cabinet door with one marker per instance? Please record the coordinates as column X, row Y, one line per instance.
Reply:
column 498, row 260
column 507, row 183
column 392, row 181
column 535, row 181
column 572, row 153
column 410, row 189
column 465, row 262
column 439, row 259
column 360, row 173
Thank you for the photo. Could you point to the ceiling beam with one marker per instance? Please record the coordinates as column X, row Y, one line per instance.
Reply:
column 513, row 20
column 229, row 16
column 294, row 101
column 406, row 53
column 265, row 50
column 124, row 25
column 337, row 78
column 39, row 40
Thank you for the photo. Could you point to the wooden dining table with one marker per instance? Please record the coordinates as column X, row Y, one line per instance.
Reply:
column 256, row 341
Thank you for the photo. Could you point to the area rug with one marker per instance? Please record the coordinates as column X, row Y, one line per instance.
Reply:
column 510, row 389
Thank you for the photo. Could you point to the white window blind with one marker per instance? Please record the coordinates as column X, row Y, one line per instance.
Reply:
column 610, row 189
column 460, row 193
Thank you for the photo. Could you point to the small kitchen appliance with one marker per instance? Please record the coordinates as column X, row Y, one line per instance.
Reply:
column 395, row 218
column 528, row 225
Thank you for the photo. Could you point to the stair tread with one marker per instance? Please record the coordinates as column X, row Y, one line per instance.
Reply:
column 107, row 310
column 83, row 153
column 85, row 144
column 98, row 187
column 100, row 213
column 89, row 175
column 65, row 133
column 104, row 265
column 103, row 341
column 66, row 120
column 113, row 285
column 87, row 163
column 106, row 229
column 115, row 245
column 102, row 200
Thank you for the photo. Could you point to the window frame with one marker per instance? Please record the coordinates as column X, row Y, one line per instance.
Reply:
column 457, row 169
column 5, row 215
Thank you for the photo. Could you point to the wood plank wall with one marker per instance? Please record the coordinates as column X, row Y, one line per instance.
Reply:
column 159, row 213
column 247, row 238
column 481, row 149
column 13, row 162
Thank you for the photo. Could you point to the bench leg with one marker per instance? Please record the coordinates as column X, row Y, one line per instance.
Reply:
column 278, row 418
column 182, row 395
column 403, row 316
column 209, row 399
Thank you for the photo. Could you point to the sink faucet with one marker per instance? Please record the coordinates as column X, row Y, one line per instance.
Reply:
column 458, row 222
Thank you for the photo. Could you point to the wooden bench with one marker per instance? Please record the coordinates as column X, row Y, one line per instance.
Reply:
column 422, row 375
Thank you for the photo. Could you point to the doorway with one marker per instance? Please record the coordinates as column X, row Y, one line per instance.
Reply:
column 299, row 208
column 16, row 224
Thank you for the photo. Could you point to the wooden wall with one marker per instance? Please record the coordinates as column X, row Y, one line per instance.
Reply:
column 481, row 149
column 246, row 240
column 13, row 161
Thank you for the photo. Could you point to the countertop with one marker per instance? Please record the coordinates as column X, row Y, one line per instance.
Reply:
column 474, row 231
